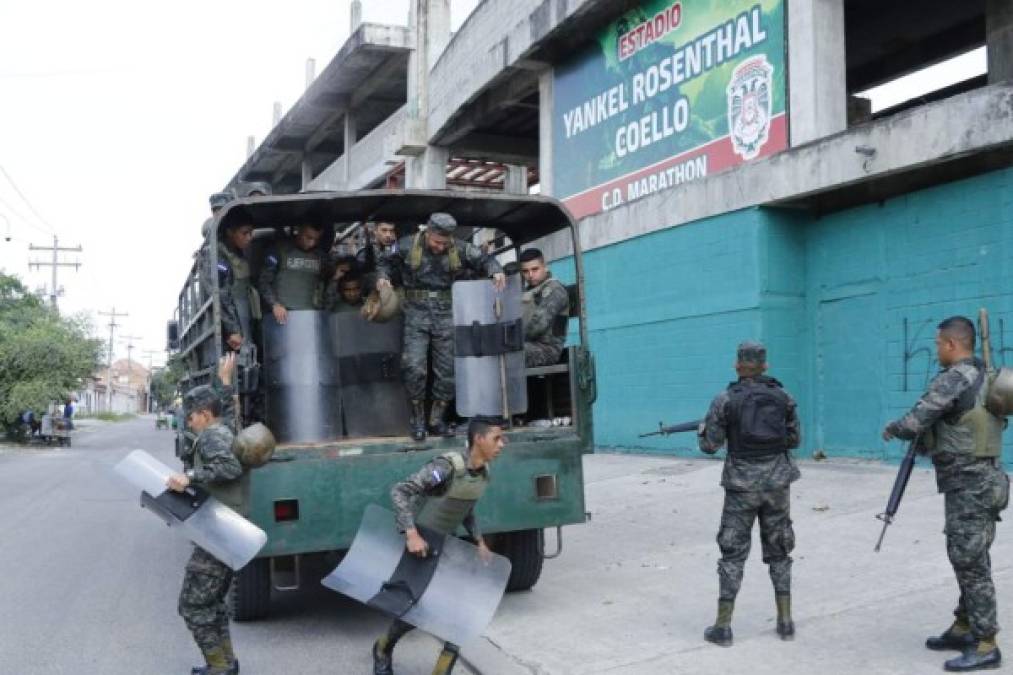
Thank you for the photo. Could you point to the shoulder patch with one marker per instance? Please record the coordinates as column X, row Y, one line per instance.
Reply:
column 223, row 267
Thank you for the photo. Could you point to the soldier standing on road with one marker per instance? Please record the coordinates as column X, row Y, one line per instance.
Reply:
column 442, row 496
column 428, row 263
column 546, row 309
column 206, row 581
column 292, row 272
column 965, row 443
column 758, row 420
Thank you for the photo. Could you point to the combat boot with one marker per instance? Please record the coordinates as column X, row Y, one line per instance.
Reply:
column 957, row 637
column 417, row 422
column 383, row 663
column 216, row 663
column 983, row 655
column 436, row 424
column 785, row 626
column 447, row 659
column 721, row 632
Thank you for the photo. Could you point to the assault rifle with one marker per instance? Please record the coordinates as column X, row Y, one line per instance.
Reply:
column 674, row 429
column 907, row 465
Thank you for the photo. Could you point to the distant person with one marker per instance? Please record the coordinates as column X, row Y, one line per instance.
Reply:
column 546, row 309
column 292, row 273
column 68, row 413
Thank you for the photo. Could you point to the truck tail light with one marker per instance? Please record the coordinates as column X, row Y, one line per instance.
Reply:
column 286, row 509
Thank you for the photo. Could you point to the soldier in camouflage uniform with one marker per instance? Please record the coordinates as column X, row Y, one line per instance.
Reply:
column 546, row 309
column 442, row 495
column 382, row 244
column 292, row 273
column 237, row 298
column 965, row 443
column 202, row 600
column 428, row 263
column 758, row 420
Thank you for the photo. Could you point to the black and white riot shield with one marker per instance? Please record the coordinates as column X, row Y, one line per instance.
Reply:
column 369, row 369
column 452, row 593
column 303, row 394
column 200, row 517
column 489, row 348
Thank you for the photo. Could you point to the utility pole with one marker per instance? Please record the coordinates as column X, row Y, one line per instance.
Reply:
column 129, row 339
column 109, row 365
column 55, row 264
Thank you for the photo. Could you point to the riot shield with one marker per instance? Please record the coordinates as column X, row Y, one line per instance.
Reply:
column 303, row 399
column 369, row 369
column 452, row 593
column 197, row 515
column 489, row 348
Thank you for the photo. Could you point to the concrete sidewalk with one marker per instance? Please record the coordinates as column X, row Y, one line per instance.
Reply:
column 636, row 586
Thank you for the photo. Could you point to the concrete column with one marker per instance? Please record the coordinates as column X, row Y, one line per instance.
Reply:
column 425, row 165
column 516, row 180
column 428, row 170
column 356, row 18
column 545, row 112
column 350, row 139
column 999, row 40
column 817, row 61
column 307, row 174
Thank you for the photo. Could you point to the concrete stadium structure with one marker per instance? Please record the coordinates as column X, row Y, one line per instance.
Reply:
column 840, row 242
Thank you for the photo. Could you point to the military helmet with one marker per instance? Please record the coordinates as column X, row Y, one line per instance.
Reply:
column 751, row 352
column 220, row 199
column 254, row 446
column 442, row 222
column 999, row 399
column 201, row 397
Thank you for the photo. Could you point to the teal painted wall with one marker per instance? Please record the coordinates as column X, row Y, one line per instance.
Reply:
column 829, row 296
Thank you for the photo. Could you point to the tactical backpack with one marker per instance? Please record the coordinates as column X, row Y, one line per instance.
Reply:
column 758, row 417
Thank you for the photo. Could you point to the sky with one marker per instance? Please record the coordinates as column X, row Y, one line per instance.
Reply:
column 118, row 118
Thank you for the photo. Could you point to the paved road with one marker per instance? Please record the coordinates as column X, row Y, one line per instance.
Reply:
column 89, row 581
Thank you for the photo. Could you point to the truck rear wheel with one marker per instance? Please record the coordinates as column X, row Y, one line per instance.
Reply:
column 525, row 550
column 250, row 597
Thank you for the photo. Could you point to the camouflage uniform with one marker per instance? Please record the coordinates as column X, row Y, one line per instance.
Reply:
column 755, row 487
column 429, row 320
column 546, row 308
column 409, row 496
column 369, row 258
column 202, row 599
column 291, row 277
column 234, row 288
column 976, row 489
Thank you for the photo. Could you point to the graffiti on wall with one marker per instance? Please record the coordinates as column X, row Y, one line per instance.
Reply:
column 915, row 355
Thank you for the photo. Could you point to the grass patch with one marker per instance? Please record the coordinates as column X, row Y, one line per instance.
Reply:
column 106, row 416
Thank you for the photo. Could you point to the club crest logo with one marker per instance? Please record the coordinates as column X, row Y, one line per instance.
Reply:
column 749, row 106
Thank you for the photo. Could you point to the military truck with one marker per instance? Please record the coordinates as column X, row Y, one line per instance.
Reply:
column 330, row 390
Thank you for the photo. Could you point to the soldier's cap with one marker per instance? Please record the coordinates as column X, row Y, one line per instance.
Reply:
column 201, row 397
column 220, row 199
column 442, row 222
column 751, row 352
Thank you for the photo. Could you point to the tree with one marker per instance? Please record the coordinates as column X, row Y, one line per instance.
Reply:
column 165, row 382
column 43, row 356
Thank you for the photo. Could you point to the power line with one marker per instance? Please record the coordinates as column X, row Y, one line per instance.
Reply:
column 22, row 218
column 25, row 199
column 109, row 365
